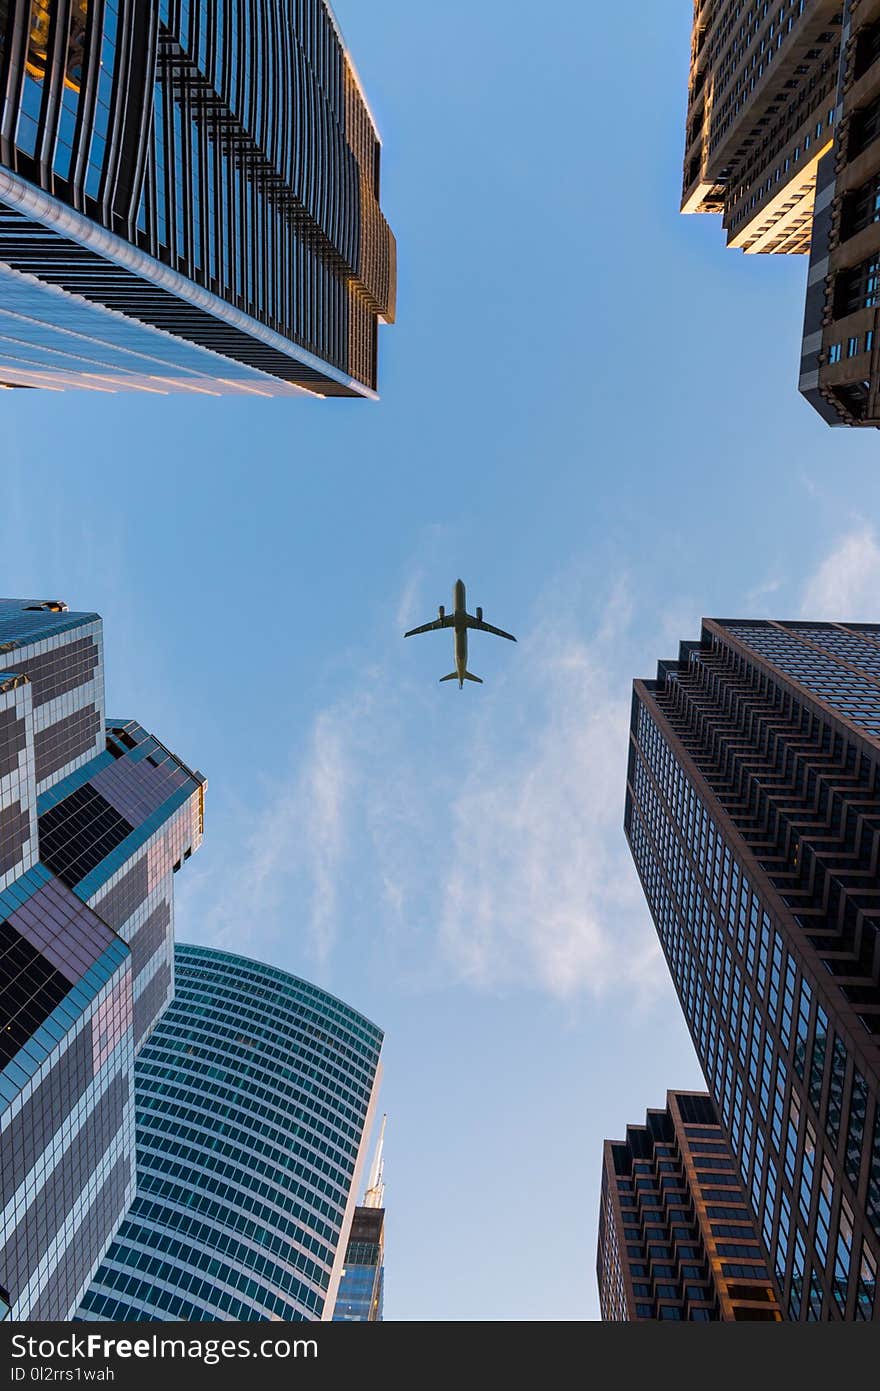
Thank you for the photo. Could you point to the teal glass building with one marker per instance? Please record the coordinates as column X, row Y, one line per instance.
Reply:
column 254, row 1099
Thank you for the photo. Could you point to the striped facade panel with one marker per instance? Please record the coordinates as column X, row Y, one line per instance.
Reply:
column 18, row 796
column 64, row 672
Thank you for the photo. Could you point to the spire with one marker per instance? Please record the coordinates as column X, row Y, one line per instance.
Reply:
column 375, row 1194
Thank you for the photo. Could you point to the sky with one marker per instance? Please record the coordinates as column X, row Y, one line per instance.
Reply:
column 589, row 412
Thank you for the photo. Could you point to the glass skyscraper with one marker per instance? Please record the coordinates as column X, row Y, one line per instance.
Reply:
column 189, row 199
column 676, row 1236
column 361, row 1294
column 254, row 1097
column 753, row 815
column 95, row 816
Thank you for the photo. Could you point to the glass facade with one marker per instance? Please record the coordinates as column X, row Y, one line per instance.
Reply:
column 254, row 1094
column 362, row 1283
column 677, row 1239
column 753, row 815
column 86, row 805
column 205, row 180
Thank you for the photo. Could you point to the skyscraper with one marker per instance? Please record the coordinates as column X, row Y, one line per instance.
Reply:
column 782, row 126
column 676, row 1237
column 753, row 816
column 95, row 816
column 840, row 371
column 362, row 1283
column 761, row 97
column 255, row 1094
column 189, row 200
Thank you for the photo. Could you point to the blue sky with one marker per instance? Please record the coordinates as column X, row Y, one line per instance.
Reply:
column 589, row 412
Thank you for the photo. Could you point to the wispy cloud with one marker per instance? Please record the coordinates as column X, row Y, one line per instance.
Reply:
column 325, row 790
column 846, row 583
column 541, row 888
column 755, row 599
column 292, row 853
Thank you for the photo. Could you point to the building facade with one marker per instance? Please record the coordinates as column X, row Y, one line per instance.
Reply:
column 361, row 1297
column 362, row 1283
column 189, row 200
column 753, row 816
column 254, row 1096
column 95, row 816
column 676, row 1236
column 762, row 92
column 840, row 374
column 782, row 140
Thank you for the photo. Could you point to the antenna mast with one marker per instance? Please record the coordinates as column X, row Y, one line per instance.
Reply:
column 375, row 1194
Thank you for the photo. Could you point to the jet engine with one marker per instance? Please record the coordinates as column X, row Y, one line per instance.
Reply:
column 442, row 612
column 479, row 615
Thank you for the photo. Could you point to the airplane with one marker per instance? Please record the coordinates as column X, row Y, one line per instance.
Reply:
column 460, row 620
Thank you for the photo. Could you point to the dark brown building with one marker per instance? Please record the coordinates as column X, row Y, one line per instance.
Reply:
column 676, row 1236
column 782, row 140
column 753, row 816
column 840, row 373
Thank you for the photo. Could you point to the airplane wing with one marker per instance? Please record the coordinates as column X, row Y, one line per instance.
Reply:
column 484, row 627
column 446, row 622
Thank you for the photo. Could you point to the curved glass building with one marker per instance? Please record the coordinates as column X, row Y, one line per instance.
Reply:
column 189, row 199
column 253, row 1098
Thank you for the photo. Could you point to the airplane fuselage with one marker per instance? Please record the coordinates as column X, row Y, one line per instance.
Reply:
column 459, row 609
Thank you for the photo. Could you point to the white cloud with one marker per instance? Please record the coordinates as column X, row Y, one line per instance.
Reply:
column 293, row 852
column 541, row 887
column 325, row 790
column 846, row 585
column 756, row 599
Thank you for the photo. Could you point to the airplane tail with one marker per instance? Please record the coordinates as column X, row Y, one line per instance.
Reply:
column 453, row 676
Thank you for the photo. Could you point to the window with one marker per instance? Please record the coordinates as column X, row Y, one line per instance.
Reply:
column 858, row 1106
column 843, row 1257
column 867, row 1286
column 660, row 1253
column 857, row 288
column 864, row 129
